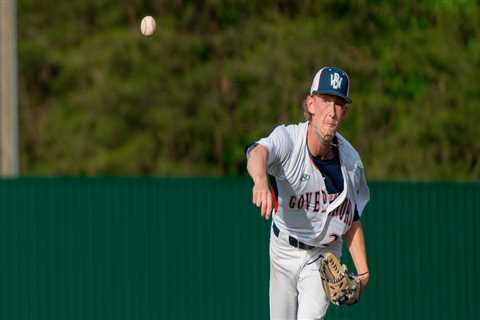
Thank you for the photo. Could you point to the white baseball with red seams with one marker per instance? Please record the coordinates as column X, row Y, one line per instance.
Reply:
column 305, row 211
column 148, row 26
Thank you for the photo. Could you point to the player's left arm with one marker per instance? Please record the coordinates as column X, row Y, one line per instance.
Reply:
column 355, row 241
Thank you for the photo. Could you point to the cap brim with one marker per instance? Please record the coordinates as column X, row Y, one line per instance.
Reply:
column 333, row 93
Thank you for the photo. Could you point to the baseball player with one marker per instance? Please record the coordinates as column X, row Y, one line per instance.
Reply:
column 311, row 179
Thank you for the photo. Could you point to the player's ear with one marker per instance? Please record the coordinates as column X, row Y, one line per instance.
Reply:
column 345, row 111
column 310, row 103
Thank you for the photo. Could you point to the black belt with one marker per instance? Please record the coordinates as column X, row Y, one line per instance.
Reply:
column 293, row 242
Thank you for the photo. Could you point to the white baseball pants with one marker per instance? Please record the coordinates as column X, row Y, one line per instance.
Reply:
column 296, row 291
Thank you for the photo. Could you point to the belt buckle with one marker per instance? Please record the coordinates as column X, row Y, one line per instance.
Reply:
column 293, row 242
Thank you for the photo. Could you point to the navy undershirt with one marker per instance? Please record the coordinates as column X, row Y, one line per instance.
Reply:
column 332, row 173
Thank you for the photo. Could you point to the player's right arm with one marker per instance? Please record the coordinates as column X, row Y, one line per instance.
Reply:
column 257, row 168
column 265, row 157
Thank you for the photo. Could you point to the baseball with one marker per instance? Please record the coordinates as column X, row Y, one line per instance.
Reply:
column 148, row 26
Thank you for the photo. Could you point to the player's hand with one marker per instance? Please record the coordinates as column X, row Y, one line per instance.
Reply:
column 262, row 197
column 363, row 281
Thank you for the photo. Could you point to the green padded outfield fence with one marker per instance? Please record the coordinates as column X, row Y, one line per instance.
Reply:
column 154, row 248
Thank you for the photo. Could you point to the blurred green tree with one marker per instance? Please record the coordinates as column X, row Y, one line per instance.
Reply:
column 98, row 98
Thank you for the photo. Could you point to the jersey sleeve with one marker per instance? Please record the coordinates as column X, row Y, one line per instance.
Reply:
column 361, row 189
column 279, row 145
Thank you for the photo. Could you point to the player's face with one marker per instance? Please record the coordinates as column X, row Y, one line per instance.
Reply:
column 328, row 113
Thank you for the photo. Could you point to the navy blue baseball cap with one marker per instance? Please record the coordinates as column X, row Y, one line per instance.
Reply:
column 332, row 81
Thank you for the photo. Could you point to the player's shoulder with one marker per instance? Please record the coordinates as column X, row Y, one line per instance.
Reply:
column 291, row 131
column 348, row 152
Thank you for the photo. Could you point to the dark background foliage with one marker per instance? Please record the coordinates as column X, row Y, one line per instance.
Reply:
column 98, row 98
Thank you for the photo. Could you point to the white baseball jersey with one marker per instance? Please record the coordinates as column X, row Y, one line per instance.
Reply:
column 303, row 207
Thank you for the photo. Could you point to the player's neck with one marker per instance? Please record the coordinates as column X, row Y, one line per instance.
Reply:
column 317, row 147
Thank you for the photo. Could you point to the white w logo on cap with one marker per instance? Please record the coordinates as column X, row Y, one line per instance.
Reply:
column 335, row 80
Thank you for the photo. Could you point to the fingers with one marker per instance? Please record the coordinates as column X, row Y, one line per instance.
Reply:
column 363, row 283
column 263, row 199
column 265, row 204
column 268, row 211
column 266, row 208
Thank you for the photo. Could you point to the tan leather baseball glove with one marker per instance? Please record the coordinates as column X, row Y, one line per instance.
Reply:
column 341, row 287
